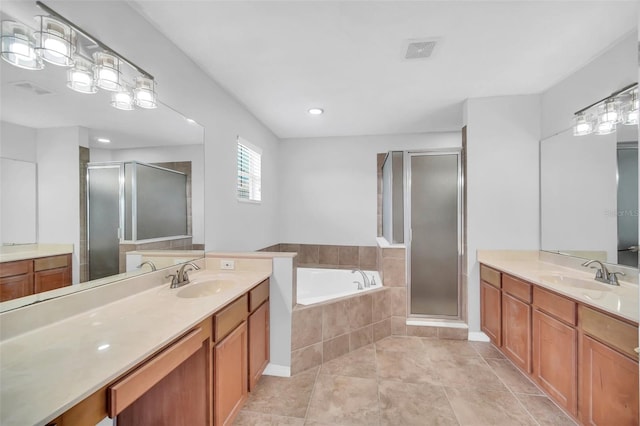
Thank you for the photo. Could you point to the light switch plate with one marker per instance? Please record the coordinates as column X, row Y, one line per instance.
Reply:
column 227, row 264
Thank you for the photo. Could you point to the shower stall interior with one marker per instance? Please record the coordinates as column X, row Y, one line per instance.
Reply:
column 129, row 202
column 422, row 207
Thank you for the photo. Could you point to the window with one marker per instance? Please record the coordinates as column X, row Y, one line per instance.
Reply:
column 249, row 165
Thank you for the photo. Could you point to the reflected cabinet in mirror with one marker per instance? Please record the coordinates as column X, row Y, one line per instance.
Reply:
column 90, row 192
column 589, row 195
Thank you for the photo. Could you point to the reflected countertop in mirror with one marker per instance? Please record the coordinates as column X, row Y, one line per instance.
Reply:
column 50, row 137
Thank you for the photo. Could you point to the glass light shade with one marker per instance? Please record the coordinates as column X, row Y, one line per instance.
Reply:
column 80, row 77
column 18, row 46
column 107, row 71
column 122, row 100
column 609, row 112
column 145, row 93
column 582, row 125
column 605, row 127
column 55, row 42
column 631, row 109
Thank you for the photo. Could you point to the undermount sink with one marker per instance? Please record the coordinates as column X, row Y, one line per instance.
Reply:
column 578, row 283
column 205, row 288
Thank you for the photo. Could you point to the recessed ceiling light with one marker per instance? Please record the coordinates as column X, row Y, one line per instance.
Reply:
column 104, row 140
column 316, row 111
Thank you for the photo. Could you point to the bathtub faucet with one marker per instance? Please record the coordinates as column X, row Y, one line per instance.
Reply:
column 367, row 284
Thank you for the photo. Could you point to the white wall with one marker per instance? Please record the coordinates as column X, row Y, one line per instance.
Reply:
column 18, row 142
column 611, row 71
column 502, row 182
column 58, row 188
column 229, row 224
column 328, row 186
column 161, row 154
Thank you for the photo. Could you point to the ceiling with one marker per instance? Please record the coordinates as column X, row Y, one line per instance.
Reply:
column 279, row 58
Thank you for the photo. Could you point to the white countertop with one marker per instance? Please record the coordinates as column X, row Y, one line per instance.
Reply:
column 33, row 251
column 46, row 371
column 620, row 300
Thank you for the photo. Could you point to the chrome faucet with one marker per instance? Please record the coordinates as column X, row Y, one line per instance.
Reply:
column 602, row 274
column 147, row 262
column 367, row 284
column 181, row 277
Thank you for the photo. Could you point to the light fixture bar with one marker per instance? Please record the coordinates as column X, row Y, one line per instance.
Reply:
column 92, row 38
column 611, row 96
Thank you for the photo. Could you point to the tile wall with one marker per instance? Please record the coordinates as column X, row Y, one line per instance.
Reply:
column 329, row 256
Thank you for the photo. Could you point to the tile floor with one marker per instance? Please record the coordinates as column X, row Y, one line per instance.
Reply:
column 402, row 381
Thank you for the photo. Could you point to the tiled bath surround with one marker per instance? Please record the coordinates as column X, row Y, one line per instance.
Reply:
column 328, row 330
column 330, row 256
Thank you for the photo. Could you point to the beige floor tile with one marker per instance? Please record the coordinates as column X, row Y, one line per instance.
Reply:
column 487, row 408
column 359, row 363
column 250, row 418
column 445, row 349
column 487, row 350
column 344, row 400
column 408, row 367
column 400, row 344
column 467, row 373
column 283, row 396
column 512, row 377
column 409, row 404
column 544, row 411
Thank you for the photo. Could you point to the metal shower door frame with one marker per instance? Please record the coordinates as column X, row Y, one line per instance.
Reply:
column 408, row 155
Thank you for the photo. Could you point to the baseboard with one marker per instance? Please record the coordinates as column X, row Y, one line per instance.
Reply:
column 478, row 336
column 436, row 323
column 277, row 370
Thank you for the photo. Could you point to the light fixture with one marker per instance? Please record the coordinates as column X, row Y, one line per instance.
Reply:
column 122, row 99
column 80, row 76
column 145, row 92
column 602, row 117
column 103, row 140
column 18, row 46
column 107, row 71
column 55, row 41
column 60, row 42
column 190, row 120
column 583, row 125
column 315, row 111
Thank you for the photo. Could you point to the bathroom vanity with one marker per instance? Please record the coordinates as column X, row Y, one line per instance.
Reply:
column 576, row 338
column 161, row 356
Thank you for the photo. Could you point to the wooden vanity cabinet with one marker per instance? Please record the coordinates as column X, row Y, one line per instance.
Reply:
column 170, row 389
column 230, row 390
column 516, row 321
column 258, row 332
column 25, row 277
column 608, row 370
column 555, row 347
column 491, row 304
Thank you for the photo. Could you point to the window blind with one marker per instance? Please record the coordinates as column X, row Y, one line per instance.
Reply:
column 249, row 171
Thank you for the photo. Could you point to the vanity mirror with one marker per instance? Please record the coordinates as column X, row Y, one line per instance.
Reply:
column 52, row 136
column 589, row 195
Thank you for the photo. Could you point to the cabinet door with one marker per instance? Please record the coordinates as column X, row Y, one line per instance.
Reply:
column 608, row 386
column 52, row 279
column 554, row 359
column 258, row 343
column 230, row 376
column 16, row 286
column 491, row 312
column 516, row 331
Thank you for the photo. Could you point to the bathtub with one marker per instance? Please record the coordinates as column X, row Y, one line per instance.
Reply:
column 320, row 285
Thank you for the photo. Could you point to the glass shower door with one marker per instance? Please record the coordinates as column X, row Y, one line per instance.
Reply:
column 434, row 234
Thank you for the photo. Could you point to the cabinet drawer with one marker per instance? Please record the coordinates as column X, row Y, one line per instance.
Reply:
column 490, row 276
column 9, row 269
column 611, row 331
column 258, row 295
column 52, row 262
column 227, row 319
column 556, row 306
column 517, row 288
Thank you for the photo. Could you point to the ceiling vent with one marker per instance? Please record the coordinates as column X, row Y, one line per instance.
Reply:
column 419, row 49
column 31, row 87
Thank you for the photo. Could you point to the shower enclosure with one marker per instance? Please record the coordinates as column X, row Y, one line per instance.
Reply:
column 130, row 202
column 422, row 193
